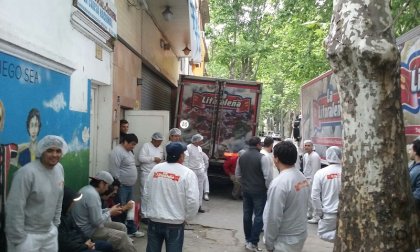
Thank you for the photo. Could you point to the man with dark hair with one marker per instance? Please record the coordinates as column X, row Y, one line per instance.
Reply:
column 170, row 198
column 123, row 129
column 285, row 227
column 94, row 221
column 123, row 168
column 255, row 173
column 267, row 150
column 414, row 170
column 70, row 236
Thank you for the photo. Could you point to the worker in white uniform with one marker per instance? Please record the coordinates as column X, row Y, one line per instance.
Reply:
column 175, row 136
column 285, row 227
column 196, row 163
column 170, row 199
column 325, row 190
column 150, row 154
column 267, row 150
column 206, row 177
column 311, row 164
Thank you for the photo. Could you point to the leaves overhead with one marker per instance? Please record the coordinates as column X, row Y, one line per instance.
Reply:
column 279, row 43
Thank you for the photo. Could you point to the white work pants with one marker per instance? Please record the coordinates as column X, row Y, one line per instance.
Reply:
column 284, row 247
column 200, row 177
column 327, row 227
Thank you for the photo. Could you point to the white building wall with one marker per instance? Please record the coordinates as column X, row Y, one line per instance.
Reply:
column 45, row 30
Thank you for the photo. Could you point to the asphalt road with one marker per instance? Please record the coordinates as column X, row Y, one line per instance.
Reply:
column 220, row 228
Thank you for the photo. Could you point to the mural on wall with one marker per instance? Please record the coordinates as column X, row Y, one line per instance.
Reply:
column 34, row 102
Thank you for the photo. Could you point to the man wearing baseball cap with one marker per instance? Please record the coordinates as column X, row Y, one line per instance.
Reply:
column 94, row 221
column 33, row 207
column 150, row 154
column 170, row 198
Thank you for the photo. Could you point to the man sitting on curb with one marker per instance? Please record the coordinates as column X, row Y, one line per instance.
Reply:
column 94, row 221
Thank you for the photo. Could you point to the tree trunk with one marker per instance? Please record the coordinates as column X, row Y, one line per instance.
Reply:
column 376, row 211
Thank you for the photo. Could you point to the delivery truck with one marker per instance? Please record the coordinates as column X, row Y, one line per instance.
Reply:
column 320, row 103
column 224, row 111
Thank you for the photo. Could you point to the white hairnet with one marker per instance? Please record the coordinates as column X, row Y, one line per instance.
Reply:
column 333, row 155
column 51, row 141
column 157, row 136
column 197, row 138
column 307, row 141
column 175, row 132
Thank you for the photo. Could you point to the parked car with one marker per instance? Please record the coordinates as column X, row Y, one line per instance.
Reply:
column 276, row 136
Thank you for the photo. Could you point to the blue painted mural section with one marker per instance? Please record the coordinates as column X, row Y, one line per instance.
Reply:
column 34, row 102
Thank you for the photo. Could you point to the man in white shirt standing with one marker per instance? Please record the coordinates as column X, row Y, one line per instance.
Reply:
column 311, row 164
column 267, row 150
column 285, row 227
column 170, row 199
column 325, row 191
column 196, row 163
column 150, row 154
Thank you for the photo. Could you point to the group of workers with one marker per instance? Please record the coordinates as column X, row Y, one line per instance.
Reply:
column 279, row 198
column 44, row 215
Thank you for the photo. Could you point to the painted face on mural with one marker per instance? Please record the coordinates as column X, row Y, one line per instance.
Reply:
column 33, row 128
column 1, row 116
column 51, row 157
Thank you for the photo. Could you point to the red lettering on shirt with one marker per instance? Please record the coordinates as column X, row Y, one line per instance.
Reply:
column 333, row 175
column 300, row 185
column 166, row 175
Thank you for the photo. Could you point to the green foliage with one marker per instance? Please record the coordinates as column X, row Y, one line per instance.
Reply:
column 279, row 43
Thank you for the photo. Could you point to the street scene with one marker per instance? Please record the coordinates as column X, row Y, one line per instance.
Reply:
column 209, row 125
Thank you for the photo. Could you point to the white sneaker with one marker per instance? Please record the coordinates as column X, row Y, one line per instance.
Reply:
column 314, row 220
column 137, row 234
column 252, row 247
column 206, row 197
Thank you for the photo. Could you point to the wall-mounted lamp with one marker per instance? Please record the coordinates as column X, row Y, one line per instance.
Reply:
column 167, row 13
column 164, row 45
column 186, row 50
column 139, row 81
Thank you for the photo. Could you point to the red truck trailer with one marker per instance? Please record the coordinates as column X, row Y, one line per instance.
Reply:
column 320, row 103
column 224, row 111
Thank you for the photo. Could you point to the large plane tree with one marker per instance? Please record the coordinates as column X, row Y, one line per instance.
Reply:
column 376, row 211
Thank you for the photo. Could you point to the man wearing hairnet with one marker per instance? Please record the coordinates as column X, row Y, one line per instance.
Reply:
column 150, row 154
column 33, row 208
column 196, row 163
column 326, row 187
column 175, row 136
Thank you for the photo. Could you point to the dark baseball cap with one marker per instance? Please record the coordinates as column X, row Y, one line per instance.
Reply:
column 174, row 151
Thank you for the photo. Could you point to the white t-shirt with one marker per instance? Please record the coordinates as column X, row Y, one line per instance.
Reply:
column 147, row 156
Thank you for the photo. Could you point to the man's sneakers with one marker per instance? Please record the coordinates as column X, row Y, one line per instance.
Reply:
column 137, row 234
column 251, row 247
column 206, row 197
column 314, row 220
